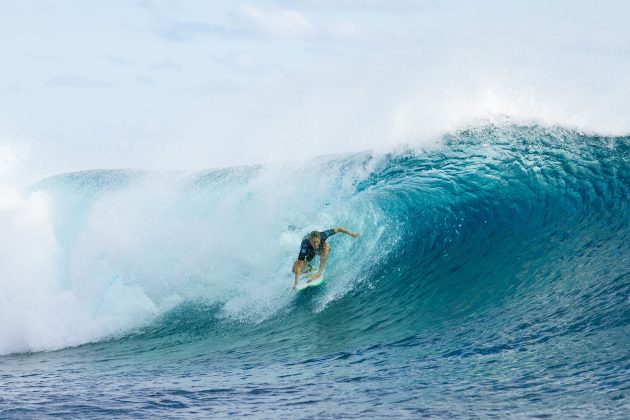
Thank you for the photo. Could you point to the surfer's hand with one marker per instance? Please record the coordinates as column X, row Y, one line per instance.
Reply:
column 354, row 234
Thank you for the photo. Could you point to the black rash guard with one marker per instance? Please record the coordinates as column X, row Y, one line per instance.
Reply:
column 307, row 252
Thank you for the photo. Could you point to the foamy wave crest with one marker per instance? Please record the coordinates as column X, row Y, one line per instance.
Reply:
column 108, row 251
column 36, row 311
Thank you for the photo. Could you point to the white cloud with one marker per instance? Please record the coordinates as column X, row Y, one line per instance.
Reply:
column 279, row 22
column 248, row 22
column 186, row 30
column 145, row 80
column 238, row 61
column 165, row 65
column 76, row 81
column 121, row 61
column 368, row 6
column 349, row 31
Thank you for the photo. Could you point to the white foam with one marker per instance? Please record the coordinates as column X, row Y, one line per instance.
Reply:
column 73, row 274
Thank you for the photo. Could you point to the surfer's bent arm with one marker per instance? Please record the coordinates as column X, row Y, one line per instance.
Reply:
column 323, row 258
column 346, row 231
column 297, row 269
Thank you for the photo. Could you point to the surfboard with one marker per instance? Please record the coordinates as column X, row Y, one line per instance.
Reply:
column 303, row 282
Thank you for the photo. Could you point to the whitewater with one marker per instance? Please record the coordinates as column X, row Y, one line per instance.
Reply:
column 492, row 276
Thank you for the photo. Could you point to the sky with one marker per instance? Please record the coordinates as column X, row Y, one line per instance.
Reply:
column 168, row 84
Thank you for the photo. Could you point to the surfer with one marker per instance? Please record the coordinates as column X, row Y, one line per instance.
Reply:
column 315, row 244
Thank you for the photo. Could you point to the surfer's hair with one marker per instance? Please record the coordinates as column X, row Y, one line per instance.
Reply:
column 314, row 235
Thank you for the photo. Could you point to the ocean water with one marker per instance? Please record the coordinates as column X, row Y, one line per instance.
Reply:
column 491, row 279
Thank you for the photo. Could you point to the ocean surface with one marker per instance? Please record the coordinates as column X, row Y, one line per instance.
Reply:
column 491, row 279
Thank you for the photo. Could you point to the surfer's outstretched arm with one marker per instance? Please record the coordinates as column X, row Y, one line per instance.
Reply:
column 346, row 231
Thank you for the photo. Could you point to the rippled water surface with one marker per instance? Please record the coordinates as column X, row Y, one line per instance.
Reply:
column 492, row 278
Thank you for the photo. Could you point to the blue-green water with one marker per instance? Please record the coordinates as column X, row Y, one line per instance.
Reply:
column 491, row 278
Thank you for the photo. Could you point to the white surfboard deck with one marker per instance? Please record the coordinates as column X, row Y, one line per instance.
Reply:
column 304, row 283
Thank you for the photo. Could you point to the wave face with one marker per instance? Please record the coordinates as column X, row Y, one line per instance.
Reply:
column 492, row 275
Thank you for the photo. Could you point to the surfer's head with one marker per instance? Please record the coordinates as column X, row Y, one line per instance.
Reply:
column 314, row 239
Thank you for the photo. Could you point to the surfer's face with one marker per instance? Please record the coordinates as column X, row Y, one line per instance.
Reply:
column 315, row 242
